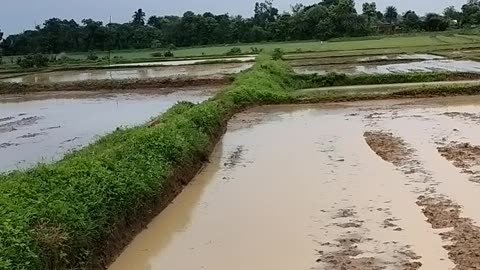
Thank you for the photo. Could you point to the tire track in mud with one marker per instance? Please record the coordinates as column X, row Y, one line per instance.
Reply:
column 442, row 213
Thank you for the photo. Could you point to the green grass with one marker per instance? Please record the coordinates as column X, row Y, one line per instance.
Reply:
column 338, row 79
column 366, row 43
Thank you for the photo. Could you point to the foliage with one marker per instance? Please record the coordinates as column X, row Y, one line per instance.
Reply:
column 435, row 22
column 278, row 54
column 157, row 54
column 59, row 216
column 31, row 61
column 234, row 51
column 168, row 54
column 340, row 79
column 92, row 56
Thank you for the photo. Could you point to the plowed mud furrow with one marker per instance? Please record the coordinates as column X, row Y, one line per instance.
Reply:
column 441, row 212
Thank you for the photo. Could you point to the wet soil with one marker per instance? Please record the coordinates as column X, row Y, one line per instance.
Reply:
column 461, row 234
column 356, row 185
column 464, row 156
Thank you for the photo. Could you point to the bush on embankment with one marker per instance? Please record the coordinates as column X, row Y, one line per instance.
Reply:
column 340, row 79
column 79, row 212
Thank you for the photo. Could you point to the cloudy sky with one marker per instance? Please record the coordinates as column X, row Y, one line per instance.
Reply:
column 19, row 15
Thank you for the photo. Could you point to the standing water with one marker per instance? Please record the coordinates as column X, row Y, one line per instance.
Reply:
column 298, row 187
column 42, row 129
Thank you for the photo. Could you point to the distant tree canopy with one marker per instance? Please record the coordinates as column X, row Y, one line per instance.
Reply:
column 325, row 20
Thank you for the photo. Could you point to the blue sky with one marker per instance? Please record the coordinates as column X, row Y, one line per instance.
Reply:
column 19, row 15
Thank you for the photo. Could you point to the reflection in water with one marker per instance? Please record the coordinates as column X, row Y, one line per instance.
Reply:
column 65, row 123
column 421, row 66
column 133, row 73
column 278, row 205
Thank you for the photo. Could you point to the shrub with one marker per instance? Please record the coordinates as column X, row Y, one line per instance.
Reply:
column 277, row 54
column 157, row 54
column 168, row 54
column 234, row 51
column 31, row 61
column 92, row 56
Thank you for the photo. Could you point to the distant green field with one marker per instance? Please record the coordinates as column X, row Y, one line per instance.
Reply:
column 450, row 44
column 309, row 46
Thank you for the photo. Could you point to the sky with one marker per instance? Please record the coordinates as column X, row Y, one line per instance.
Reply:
column 19, row 15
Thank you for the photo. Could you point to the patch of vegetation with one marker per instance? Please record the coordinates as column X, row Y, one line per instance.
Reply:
column 62, row 215
column 339, row 79
column 278, row 54
column 234, row 51
column 92, row 56
column 168, row 54
column 33, row 61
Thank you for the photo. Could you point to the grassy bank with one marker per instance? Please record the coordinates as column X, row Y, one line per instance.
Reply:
column 80, row 212
column 339, row 79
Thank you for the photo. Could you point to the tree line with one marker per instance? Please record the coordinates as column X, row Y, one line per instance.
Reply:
column 325, row 20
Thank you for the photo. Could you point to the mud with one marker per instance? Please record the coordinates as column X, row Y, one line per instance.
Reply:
column 299, row 187
column 461, row 234
column 464, row 156
column 43, row 127
column 15, row 125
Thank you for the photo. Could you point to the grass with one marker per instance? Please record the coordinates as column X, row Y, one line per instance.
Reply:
column 337, row 79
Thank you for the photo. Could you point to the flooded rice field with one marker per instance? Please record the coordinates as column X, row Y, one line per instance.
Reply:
column 247, row 58
column 43, row 127
column 366, row 185
column 193, row 71
column 417, row 66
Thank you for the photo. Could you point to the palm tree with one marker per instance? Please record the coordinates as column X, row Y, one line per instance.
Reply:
column 391, row 14
column 139, row 17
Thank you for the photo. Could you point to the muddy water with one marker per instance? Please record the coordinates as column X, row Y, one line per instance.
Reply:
column 420, row 66
column 134, row 73
column 298, row 187
column 247, row 58
column 35, row 128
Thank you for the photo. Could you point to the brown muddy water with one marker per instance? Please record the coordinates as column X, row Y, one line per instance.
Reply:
column 299, row 187
column 418, row 66
column 43, row 127
column 173, row 72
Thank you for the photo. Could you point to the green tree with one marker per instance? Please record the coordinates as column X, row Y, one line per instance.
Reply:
column 139, row 17
column 471, row 13
column 391, row 14
column 435, row 22
column 411, row 21
column 369, row 9
column 265, row 13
